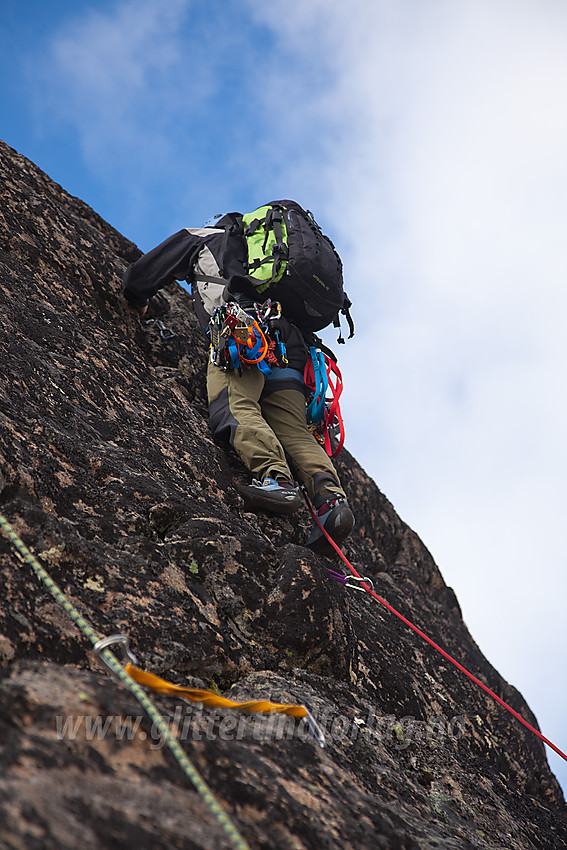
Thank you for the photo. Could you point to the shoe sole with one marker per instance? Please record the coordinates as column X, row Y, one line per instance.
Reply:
column 262, row 501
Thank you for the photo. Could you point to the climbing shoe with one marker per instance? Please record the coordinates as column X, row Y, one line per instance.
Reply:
column 338, row 521
column 271, row 495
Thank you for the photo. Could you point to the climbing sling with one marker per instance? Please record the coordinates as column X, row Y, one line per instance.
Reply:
column 322, row 375
column 367, row 586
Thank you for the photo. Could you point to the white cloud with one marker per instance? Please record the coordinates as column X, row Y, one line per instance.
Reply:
column 450, row 164
column 100, row 68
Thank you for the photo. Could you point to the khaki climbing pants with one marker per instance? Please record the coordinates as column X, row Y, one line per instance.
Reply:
column 265, row 422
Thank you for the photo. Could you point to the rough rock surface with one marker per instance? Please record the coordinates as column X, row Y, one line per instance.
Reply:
column 108, row 472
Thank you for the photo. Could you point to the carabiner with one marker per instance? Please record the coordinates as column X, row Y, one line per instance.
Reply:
column 366, row 580
column 104, row 643
column 165, row 333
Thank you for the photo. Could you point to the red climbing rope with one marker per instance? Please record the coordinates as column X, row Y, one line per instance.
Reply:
column 428, row 639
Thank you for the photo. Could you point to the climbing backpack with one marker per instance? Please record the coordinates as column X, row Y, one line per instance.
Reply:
column 290, row 260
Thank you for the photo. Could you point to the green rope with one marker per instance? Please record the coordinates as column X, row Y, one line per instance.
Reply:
column 160, row 725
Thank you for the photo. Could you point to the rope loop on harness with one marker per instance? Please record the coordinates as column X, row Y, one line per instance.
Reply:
column 324, row 381
column 315, row 377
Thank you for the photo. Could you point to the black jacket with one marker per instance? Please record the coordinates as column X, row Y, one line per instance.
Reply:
column 197, row 253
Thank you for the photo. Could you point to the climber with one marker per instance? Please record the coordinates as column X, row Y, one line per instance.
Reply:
column 255, row 375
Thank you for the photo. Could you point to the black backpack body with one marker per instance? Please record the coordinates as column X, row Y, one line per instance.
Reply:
column 288, row 259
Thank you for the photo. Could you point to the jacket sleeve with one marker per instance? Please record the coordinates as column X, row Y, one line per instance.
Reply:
column 169, row 261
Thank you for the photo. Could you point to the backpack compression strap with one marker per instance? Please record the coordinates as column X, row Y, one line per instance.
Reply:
column 274, row 239
column 345, row 310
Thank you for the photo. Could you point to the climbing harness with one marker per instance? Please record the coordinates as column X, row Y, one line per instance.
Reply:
column 369, row 589
column 132, row 677
column 244, row 338
column 165, row 333
column 321, row 376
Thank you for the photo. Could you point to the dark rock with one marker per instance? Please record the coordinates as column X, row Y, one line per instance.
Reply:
column 108, row 472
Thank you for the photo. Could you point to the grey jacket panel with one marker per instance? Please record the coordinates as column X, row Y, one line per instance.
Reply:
column 207, row 281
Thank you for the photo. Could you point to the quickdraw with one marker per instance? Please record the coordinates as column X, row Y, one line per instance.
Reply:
column 324, row 413
column 245, row 338
column 133, row 678
column 366, row 585
column 101, row 648
column 351, row 581
column 165, row 333
column 212, row 700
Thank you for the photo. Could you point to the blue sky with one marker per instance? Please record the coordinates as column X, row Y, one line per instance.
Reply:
column 429, row 139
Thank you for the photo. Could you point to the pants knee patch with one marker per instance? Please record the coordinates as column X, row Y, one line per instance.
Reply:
column 222, row 422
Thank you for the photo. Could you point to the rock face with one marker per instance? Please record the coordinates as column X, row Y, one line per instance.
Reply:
column 108, row 472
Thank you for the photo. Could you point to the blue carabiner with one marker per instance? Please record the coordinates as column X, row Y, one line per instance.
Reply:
column 234, row 357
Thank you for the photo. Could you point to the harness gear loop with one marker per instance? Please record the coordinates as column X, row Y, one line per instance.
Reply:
column 246, row 338
column 255, row 346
